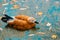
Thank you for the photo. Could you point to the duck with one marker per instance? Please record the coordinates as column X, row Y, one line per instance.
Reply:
column 20, row 22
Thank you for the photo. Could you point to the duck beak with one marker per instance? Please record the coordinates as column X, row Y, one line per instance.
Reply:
column 36, row 22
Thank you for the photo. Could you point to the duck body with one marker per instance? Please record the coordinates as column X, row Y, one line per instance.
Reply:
column 21, row 22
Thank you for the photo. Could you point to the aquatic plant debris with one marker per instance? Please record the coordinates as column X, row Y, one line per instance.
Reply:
column 1, row 29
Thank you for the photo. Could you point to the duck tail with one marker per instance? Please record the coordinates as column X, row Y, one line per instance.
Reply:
column 5, row 18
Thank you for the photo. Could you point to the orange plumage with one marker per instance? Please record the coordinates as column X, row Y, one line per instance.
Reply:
column 21, row 22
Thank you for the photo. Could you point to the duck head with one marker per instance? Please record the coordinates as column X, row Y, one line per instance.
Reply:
column 32, row 20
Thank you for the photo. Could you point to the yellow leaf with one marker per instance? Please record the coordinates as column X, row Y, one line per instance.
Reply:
column 40, row 13
column 15, row 6
column 54, row 36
